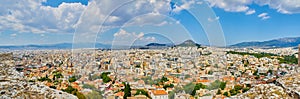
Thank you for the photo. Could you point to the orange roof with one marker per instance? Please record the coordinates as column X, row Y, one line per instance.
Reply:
column 228, row 78
column 159, row 92
column 204, row 80
column 119, row 94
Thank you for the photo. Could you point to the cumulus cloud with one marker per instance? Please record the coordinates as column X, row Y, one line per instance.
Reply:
column 32, row 16
column 13, row 35
column 249, row 12
column 282, row 6
column 264, row 16
column 124, row 37
column 231, row 5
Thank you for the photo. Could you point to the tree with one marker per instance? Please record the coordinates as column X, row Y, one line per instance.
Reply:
column 219, row 92
column 105, row 78
column 226, row 94
column 72, row 79
column 164, row 79
column 167, row 86
column 142, row 92
column 198, row 87
column 223, row 85
column 127, row 91
column 238, row 87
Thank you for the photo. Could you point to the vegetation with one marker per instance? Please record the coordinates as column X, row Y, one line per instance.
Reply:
column 105, row 78
column 45, row 79
column 94, row 95
column 198, row 87
column 72, row 79
column 223, row 85
column 74, row 91
column 87, row 86
column 287, row 59
column 168, row 86
column 57, row 74
column 187, row 88
column 142, row 92
column 216, row 84
column 164, row 79
column 127, row 91
column 226, row 94
column 258, row 55
column 219, row 92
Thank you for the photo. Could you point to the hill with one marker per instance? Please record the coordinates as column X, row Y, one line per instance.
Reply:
column 276, row 43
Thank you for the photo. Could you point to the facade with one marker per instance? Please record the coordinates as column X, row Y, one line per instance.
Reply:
column 159, row 94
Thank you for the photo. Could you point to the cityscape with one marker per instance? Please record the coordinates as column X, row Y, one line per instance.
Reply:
column 149, row 49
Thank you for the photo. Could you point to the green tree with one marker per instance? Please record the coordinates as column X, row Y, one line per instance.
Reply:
column 142, row 92
column 198, row 87
column 223, row 85
column 127, row 91
column 72, row 79
column 226, row 94
column 219, row 92
column 105, row 78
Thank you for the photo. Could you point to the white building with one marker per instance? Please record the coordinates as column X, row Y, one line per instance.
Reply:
column 159, row 94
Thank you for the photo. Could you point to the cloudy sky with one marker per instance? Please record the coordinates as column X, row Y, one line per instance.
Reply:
column 121, row 22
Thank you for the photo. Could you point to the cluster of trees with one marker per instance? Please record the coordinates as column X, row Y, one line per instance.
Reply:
column 57, row 75
column 105, row 78
column 198, row 87
column 288, row 59
column 142, row 92
column 258, row 55
column 237, row 89
column 72, row 79
column 127, row 90
column 168, row 86
column 45, row 79
column 74, row 91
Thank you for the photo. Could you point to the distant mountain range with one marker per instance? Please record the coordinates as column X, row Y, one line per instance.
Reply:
column 53, row 46
column 276, row 43
column 186, row 43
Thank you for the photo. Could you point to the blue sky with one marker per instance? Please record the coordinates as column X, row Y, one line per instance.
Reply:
column 145, row 21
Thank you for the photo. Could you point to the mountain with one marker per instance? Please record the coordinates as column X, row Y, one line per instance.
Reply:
column 276, row 43
column 156, row 44
column 54, row 46
column 189, row 43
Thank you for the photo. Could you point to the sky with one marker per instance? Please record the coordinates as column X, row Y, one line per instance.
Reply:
column 124, row 22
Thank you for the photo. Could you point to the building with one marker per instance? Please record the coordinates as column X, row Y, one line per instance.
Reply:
column 159, row 94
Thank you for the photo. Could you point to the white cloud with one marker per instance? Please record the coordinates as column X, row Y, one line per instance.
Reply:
column 124, row 37
column 264, row 16
column 282, row 6
column 13, row 35
column 213, row 19
column 149, row 39
column 249, row 12
column 185, row 6
column 231, row 5
column 32, row 16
